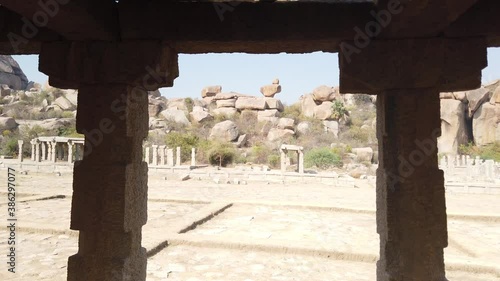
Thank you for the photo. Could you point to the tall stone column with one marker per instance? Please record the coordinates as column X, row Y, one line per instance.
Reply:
column 33, row 145
column 53, row 150
column 37, row 151
column 109, row 203
column 162, row 154
column 301, row 161
column 170, row 157
column 408, row 77
column 20, row 152
column 193, row 157
column 70, row 152
column 44, row 150
column 411, row 208
column 178, row 157
column 283, row 161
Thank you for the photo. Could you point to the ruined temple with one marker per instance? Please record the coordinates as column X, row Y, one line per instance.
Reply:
column 113, row 52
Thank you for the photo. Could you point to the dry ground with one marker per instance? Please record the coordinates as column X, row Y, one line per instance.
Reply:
column 263, row 232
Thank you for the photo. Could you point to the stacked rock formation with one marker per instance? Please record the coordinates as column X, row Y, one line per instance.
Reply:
column 319, row 105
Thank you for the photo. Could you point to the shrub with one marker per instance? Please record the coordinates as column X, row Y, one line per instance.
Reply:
column 10, row 146
column 221, row 155
column 185, row 141
column 293, row 111
column 274, row 161
column 189, row 104
column 490, row 151
column 260, row 154
column 339, row 110
column 322, row 158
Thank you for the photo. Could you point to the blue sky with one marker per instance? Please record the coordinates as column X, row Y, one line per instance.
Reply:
column 244, row 73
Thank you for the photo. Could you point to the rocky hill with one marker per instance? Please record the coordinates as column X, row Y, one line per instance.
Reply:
column 330, row 125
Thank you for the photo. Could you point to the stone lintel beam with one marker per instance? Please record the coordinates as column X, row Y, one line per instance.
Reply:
column 480, row 20
column 146, row 64
column 421, row 18
column 73, row 19
column 19, row 36
column 441, row 64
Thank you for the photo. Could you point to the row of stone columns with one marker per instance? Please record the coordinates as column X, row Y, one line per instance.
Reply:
column 161, row 155
column 53, row 151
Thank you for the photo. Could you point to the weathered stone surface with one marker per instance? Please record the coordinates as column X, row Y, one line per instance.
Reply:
column 324, row 93
column 5, row 90
column 211, row 91
column 225, row 111
column 323, row 111
column 251, row 104
column 485, row 125
column 447, row 95
column 363, row 154
column 453, row 126
column 286, row 123
column 495, row 98
column 461, row 96
column 178, row 103
column 279, row 134
column 411, row 205
column 154, row 110
column 54, row 124
column 201, row 116
column 270, row 90
column 11, row 74
column 226, row 130
column 331, row 127
column 8, row 123
column 272, row 103
column 155, row 123
column 268, row 113
column 175, row 115
column 276, row 81
column 476, row 98
column 72, row 96
column 242, row 140
column 226, row 103
column 307, row 104
column 64, row 104
column 225, row 96
column 154, row 94
column 304, row 128
column 269, row 119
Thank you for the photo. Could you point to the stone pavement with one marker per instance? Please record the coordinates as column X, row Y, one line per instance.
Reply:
column 199, row 230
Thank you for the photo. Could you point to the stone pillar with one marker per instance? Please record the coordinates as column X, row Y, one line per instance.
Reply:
column 33, row 145
column 53, row 150
column 162, row 155
column 20, row 152
column 193, row 157
column 411, row 209
column 44, row 150
column 283, row 157
column 178, row 157
column 112, row 175
column 37, row 151
column 70, row 152
column 109, row 203
column 147, row 157
column 155, row 155
column 170, row 157
column 77, row 152
column 301, row 161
